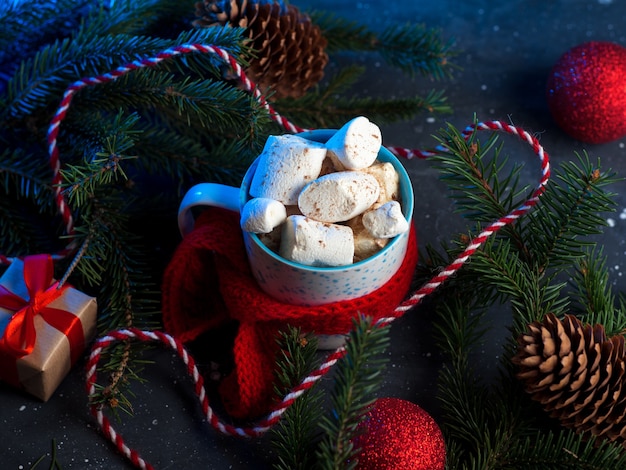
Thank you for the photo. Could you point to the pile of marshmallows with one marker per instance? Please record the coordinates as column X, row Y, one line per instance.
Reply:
column 327, row 204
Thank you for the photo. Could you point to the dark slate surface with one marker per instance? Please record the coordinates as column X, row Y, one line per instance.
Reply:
column 506, row 52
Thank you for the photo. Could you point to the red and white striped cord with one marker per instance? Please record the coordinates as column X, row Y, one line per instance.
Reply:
column 154, row 336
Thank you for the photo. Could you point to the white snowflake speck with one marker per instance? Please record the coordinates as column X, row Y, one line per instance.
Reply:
column 22, row 408
column 610, row 222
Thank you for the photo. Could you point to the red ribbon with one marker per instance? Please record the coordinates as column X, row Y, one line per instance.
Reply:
column 20, row 334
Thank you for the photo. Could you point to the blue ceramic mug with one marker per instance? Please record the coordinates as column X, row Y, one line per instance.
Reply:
column 295, row 283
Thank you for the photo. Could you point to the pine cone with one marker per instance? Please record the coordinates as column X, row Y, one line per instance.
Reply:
column 290, row 48
column 577, row 374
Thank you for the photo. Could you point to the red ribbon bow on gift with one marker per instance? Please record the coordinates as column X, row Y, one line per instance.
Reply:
column 20, row 334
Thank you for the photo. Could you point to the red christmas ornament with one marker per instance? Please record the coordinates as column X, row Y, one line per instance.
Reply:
column 399, row 435
column 586, row 92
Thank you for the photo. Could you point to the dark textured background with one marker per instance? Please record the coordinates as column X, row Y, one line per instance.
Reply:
column 506, row 52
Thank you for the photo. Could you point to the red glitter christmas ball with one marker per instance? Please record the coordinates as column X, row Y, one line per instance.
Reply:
column 586, row 92
column 399, row 435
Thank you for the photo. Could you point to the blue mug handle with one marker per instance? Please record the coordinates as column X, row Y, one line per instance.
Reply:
column 206, row 194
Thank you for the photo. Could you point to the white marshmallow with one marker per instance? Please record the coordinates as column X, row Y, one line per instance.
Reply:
column 315, row 243
column 355, row 146
column 287, row 163
column 388, row 180
column 386, row 221
column 337, row 197
column 262, row 215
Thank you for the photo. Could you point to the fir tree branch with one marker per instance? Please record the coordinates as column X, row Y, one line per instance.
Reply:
column 569, row 213
column 26, row 25
column 357, row 376
column 473, row 172
column 27, row 207
column 131, row 17
column 413, row 48
column 117, row 395
column 295, row 436
column 482, row 186
column 128, row 298
column 321, row 110
column 42, row 79
column 114, row 253
column 457, row 332
column 592, row 288
column 489, row 428
column 340, row 82
column 125, row 297
column 205, row 159
column 563, row 450
column 165, row 147
column 343, row 34
column 105, row 167
column 482, row 423
column 205, row 103
column 532, row 293
column 554, row 235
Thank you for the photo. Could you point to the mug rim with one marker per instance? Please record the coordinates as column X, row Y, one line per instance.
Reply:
column 322, row 135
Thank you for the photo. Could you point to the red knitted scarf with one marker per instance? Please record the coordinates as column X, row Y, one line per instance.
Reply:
column 208, row 283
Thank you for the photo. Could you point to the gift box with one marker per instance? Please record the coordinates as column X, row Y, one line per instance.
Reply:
column 43, row 328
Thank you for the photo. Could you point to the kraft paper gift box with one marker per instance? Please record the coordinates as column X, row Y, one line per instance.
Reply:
column 43, row 330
